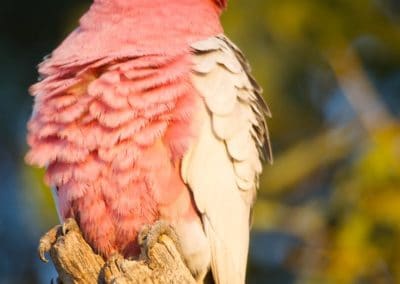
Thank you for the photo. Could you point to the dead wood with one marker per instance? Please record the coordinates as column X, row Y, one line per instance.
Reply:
column 76, row 262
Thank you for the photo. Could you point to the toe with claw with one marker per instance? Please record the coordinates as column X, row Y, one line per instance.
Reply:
column 50, row 238
column 68, row 226
column 150, row 235
column 47, row 241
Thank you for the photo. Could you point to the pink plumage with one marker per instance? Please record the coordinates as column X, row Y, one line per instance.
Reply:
column 120, row 112
column 113, row 116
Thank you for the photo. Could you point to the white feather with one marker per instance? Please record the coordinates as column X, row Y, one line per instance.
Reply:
column 223, row 165
column 210, row 174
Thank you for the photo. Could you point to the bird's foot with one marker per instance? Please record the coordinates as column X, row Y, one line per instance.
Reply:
column 115, row 258
column 68, row 226
column 151, row 234
column 49, row 239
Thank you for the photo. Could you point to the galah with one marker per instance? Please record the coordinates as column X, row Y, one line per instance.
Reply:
column 147, row 112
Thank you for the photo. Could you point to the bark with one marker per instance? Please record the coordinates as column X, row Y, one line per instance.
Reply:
column 76, row 262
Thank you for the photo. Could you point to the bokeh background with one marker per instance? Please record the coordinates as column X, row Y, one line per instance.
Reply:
column 328, row 209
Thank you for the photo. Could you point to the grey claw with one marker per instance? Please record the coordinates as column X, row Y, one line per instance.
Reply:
column 69, row 225
column 50, row 238
column 142, row 237
column 149, row 235
column 46, row 242
column 42, row 256
column 64, row 229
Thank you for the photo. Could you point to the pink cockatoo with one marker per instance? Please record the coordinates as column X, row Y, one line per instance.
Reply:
column 147, row 112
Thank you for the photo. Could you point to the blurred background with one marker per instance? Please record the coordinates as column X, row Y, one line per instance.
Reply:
column 328, row 209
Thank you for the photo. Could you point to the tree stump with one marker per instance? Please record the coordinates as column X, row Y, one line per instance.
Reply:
column 76, row 262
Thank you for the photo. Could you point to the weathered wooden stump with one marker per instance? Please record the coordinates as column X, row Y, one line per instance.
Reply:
column 76, row 262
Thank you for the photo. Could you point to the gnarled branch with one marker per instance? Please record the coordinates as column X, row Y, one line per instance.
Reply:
column 76, row 262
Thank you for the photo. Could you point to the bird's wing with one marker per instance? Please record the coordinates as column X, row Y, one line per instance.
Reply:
column 223, row 165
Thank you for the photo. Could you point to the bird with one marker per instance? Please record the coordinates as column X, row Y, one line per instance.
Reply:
column 148, row 113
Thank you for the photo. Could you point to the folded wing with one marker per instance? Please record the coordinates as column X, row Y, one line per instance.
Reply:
column 223, row 166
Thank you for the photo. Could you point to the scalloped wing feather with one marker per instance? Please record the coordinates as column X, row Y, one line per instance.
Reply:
column 223, row 166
